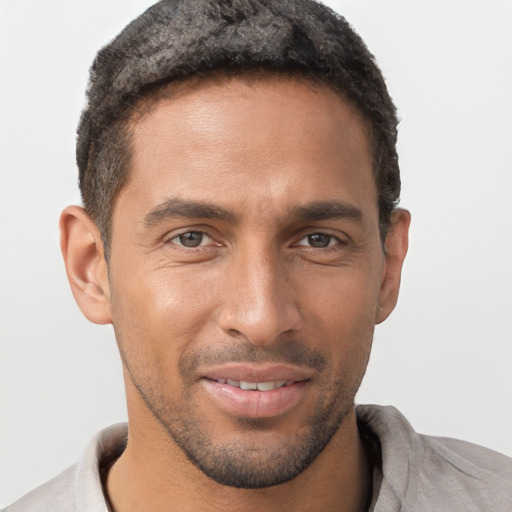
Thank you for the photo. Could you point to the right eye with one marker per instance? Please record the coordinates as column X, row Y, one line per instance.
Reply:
column 192, row 239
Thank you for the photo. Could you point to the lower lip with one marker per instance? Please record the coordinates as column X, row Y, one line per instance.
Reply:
column 255, row 404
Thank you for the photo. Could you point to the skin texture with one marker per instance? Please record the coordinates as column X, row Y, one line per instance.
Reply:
column 271, row 179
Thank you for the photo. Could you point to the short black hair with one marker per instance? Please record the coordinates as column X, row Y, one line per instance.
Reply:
column 179, row 39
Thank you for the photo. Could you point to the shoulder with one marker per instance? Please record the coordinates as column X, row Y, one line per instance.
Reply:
column 435, row 473
column 485, row 473
column 56, row 495
column 79, row 488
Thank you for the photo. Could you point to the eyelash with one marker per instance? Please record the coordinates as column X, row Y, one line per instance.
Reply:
column 330, row 246
column 190, row 232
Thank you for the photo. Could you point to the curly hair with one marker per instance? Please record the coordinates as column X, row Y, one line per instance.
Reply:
column 181, row 39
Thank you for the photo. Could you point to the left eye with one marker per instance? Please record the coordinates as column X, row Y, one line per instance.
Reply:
column 191, row 239
column 318, row 240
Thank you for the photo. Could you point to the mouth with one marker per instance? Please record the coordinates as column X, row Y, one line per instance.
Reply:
column 256, row 386
column 256, row 392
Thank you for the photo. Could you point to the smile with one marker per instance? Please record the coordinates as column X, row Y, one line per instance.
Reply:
column 255, row 386
column 263, row 398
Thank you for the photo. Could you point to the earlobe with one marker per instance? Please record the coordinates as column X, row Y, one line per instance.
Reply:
column 396, row 245
column 87, row 271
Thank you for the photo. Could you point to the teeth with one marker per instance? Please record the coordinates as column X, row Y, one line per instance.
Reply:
column 253, row 386
column 269, row 386
column 248, row 385
column 266, row 386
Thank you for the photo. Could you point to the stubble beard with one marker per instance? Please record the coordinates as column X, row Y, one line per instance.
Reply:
column 245, row 464
column 251, row 466
column 240, row 460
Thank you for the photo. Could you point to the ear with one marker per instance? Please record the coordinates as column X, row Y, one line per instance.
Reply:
column 395, row 249
column 82, row 249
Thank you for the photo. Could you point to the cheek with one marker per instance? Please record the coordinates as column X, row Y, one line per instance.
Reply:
column 343, row 298
column 159, row 314
column 339, row 315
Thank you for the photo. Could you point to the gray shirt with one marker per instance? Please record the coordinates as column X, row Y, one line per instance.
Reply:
column 412, row 472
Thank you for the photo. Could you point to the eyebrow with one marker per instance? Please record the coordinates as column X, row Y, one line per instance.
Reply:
column 316, row 211
column 177, row 208
column 324, row 210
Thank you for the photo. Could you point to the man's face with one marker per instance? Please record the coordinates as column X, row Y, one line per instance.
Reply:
column 246, row 254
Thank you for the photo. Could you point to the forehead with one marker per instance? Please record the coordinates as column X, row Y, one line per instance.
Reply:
column 248, row 93
column 270, row 136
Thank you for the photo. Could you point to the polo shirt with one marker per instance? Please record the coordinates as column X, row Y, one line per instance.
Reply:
column 412, row 472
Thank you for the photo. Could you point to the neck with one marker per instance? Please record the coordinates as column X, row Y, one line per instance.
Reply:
column 154, row 474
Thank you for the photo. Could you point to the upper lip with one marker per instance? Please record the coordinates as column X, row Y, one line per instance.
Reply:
column 257, row 373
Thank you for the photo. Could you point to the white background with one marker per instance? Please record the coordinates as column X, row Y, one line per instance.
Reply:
column 444, row 357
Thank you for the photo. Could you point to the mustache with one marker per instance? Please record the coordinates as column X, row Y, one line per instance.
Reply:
column 287, row 351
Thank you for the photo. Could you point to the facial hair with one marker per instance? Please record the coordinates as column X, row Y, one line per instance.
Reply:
column 242, row 463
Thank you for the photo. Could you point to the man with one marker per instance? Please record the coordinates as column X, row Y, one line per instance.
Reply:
column 240, row 180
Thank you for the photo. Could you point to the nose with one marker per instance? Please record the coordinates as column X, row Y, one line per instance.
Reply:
column 258, row 300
